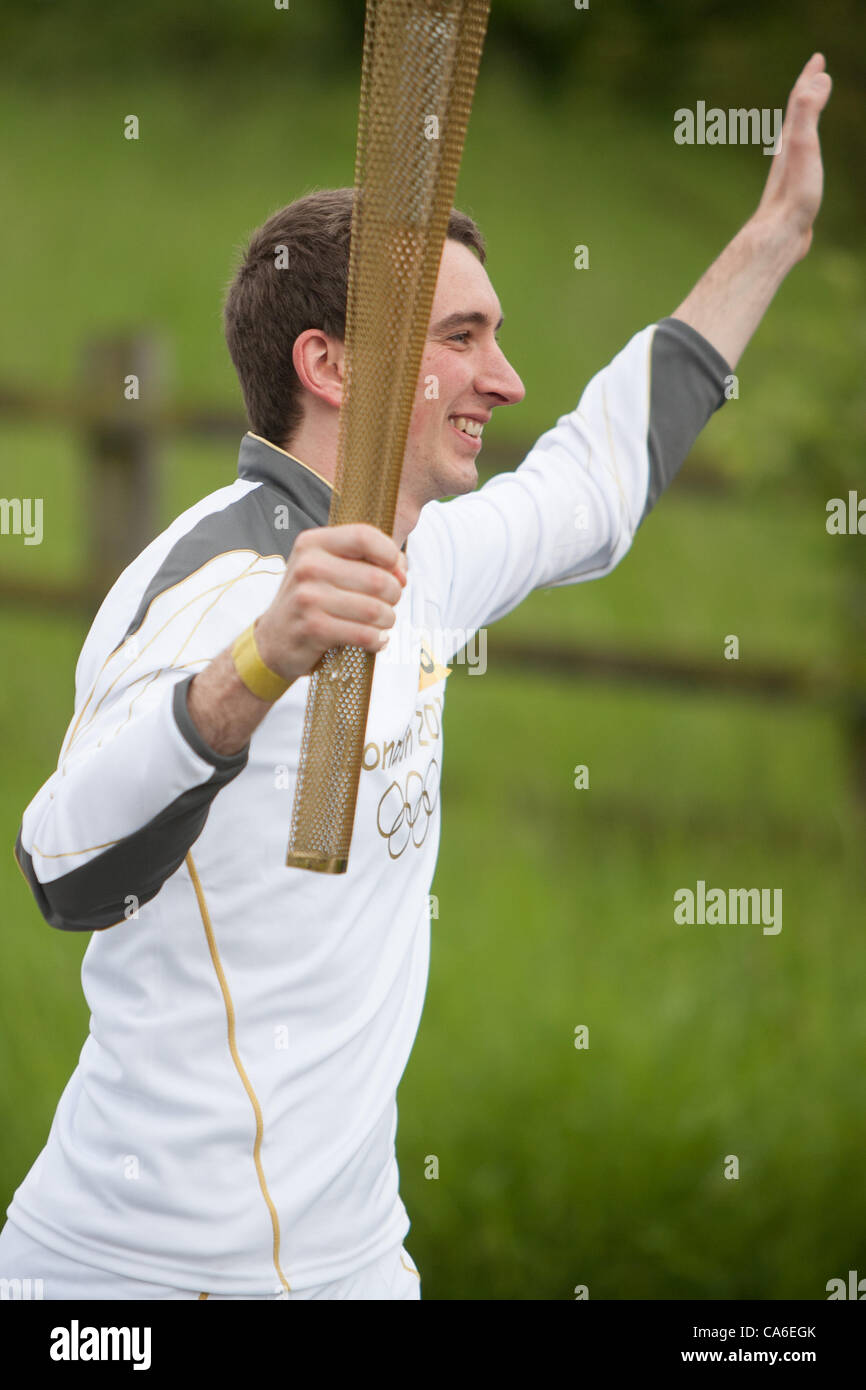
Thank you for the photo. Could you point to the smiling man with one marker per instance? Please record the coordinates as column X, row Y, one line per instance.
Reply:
column 229, row 1129
column 462, row 356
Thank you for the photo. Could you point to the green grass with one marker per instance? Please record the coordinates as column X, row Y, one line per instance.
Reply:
column 604, row 1166
column 557, row 1166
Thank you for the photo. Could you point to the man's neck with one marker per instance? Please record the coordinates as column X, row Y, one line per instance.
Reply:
column 314, row 452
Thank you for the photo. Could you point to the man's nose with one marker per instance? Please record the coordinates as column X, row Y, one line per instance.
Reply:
column 500, row 379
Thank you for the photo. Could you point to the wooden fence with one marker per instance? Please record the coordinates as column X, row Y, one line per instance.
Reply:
column 121, row 448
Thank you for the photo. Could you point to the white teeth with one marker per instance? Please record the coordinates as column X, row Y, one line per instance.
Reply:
column 473, row 427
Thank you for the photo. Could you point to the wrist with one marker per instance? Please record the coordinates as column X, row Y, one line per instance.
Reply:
column 253, row 669
column 270, row 650
column 777, row 240
column 222, row 708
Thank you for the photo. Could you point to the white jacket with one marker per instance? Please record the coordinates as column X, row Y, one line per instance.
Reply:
column 230, row 1125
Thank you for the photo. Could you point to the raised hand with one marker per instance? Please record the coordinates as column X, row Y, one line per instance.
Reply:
column 792, row 195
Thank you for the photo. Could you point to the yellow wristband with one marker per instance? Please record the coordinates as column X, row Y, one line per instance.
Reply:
column 256, row 676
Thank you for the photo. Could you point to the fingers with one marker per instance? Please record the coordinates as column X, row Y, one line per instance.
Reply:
column 807, row 106
column 813, row 85
column 347, row 589
column 808, row 97
column 364, row 589
column 821, row 87
column 815, row 67
column 815, row 64
column 359, row 577
column 342, row 585
column 815, row 81
column 356, row 541
column 348, row 606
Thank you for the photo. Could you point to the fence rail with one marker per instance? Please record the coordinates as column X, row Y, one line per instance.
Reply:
column 121, row 446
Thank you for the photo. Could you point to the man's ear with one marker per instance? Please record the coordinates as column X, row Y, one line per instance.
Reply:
column 318, row 361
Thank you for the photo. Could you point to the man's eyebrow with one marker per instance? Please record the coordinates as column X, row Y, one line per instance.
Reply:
column 470, row 316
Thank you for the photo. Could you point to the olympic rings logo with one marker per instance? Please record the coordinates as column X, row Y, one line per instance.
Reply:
column 404, row 812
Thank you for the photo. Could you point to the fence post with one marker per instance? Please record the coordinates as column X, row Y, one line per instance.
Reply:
column 122, row 385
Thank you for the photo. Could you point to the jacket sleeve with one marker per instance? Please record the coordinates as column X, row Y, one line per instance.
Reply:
column 570, row 511
column 135, row 779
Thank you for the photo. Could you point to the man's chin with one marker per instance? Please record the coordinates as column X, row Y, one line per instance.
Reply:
column 461, row 477
column 447, row 474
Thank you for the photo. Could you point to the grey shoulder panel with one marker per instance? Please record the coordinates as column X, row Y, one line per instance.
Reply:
column 96, row 895
column 248, row 524
column 687, row 384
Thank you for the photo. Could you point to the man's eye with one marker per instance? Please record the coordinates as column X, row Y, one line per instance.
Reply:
column 458, row 337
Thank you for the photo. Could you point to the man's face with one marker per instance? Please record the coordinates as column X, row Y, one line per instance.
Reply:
column 464, row 373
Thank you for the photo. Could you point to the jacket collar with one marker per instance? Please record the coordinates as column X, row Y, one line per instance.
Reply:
column 264, row 462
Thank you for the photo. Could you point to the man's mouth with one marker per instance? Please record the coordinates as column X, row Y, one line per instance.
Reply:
column 469, row 429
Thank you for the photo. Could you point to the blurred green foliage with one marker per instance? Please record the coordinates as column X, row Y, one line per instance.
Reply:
column 634, row 49
column 557, row 1167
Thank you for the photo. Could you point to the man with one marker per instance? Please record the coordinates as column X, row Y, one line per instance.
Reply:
column 229, row 1130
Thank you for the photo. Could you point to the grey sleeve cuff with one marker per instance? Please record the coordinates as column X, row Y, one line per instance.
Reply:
column 687, row 384
column 223, row 762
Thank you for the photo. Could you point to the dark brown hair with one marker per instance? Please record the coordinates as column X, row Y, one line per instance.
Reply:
column 266, row 307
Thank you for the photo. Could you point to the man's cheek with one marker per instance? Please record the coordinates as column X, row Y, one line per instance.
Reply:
column 428, row 392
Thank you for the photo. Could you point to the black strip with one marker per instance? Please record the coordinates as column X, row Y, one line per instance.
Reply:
column 687, row 384
column 94, row 896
